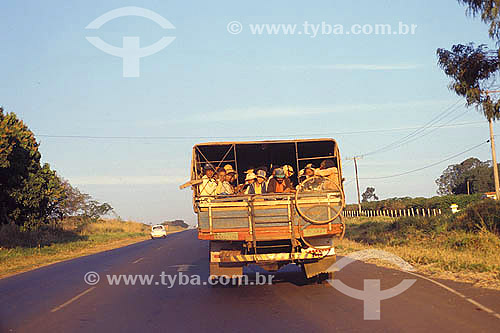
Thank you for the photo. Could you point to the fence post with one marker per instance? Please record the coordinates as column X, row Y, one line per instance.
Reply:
column 428, row 212
column 423, row 212
column 439, row 211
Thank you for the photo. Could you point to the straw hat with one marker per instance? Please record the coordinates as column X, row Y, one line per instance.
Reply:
column 229, row 168
column 288, row 169
column 250, row 176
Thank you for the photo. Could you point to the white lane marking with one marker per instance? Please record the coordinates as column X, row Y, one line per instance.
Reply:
column 183, row 268
column 135, row 262
column 470, row 300
column 57, row 308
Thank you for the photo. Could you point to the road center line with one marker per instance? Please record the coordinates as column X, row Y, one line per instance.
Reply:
column 135, row 262
column 57, row 308
column 470, row 300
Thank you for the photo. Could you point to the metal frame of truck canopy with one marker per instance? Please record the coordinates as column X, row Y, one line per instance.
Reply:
column 244, row 155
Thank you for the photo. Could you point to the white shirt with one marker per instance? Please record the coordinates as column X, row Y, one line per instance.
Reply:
column 208, row 186
column 224, row 188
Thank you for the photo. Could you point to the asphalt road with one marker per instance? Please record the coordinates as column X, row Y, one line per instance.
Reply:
column 56, row 298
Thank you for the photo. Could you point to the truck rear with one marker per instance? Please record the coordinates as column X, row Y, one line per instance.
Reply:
column 271, row 229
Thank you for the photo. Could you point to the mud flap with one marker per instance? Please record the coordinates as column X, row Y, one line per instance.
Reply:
column 321, row 266
column 223, row 269
column 217, row 269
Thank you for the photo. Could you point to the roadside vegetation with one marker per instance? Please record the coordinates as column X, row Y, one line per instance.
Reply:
column 43, row 219
column 26, row 250
column 463, row 246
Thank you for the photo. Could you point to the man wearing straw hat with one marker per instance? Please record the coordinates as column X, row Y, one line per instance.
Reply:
column 259, row 186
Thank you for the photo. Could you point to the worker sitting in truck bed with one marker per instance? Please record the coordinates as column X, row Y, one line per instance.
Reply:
column 307, row 172
column 328, row 170
column 208, row 186
column 288, row 169
column 249, row 180
column 279, row 183
column 233, row 175
column 259, row 186
column 224, row 186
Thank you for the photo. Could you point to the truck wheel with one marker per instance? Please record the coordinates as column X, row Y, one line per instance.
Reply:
column 323, row 277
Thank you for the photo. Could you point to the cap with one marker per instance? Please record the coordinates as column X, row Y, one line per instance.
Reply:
column 261, row 174
column 279, row 173
column 208, row 166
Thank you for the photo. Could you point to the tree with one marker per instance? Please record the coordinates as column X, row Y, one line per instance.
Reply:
column 474, row 70
column 81, row 205
column 176, row 223
column 30, row 193
column 369, row 194
column 473, row 171
column 489, row 12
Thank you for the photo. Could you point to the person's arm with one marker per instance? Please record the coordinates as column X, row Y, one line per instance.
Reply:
column 288, row 185
column 219, row 189
column 271, row 187
column 325, row 172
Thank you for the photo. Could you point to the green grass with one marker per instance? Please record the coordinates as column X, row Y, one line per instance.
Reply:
column 435, row 245
column 65, row 241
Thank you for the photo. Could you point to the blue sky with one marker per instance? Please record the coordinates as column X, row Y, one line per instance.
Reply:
column 209, row 83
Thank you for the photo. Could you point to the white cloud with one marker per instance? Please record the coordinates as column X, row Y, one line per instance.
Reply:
column 361, row 67
column 256, row 112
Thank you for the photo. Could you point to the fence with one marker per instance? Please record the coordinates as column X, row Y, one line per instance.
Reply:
column 393, row 212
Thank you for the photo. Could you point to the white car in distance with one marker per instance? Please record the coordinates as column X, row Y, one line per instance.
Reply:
column 158, row 231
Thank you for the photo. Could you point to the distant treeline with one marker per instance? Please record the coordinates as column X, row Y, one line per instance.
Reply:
column 437, row 202
column 177, row 223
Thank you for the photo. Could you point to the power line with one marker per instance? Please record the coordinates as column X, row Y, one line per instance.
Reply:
column 434, row 129
column 242, row 137
column 430, row 165
column 450, row 109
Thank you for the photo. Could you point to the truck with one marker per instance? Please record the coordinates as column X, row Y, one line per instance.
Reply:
column 271, row 230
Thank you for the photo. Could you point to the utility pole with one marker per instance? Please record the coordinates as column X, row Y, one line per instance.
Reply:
column 355, row 159
column 493, row 151
column 468, row 191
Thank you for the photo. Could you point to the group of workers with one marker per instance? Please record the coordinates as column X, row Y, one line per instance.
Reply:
column 224, row 180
